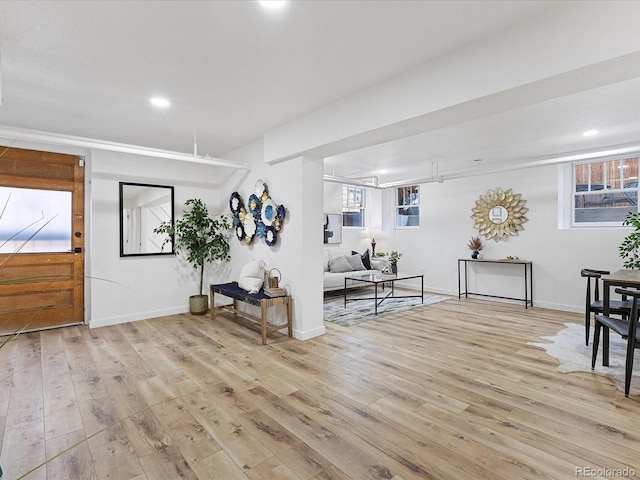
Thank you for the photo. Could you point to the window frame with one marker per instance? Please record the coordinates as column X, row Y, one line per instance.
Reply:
column 607, row 189
column 354, row 205
column 415, row 207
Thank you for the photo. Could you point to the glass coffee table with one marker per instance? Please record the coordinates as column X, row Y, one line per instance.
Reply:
column 381, row 279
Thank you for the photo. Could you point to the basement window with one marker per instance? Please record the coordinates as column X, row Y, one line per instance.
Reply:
column 353, row 203
column 604, row 191
column 408, row 207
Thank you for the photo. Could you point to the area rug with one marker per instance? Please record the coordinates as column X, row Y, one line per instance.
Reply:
column 363, row 310
column 574, row 356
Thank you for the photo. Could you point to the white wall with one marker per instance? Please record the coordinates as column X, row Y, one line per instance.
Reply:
column 123, row 289
column 558, row 255
column 296, row 184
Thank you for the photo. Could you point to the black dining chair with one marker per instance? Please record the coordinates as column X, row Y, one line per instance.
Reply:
column 593, row 303
column 628, row 329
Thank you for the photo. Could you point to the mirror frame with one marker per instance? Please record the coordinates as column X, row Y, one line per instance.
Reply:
column 512, row 203
column 122, row 187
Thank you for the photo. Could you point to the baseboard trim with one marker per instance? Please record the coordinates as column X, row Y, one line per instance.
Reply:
column 106, row 322
column 307, row 334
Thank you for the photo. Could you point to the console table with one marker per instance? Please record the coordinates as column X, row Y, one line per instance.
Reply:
column 527, row 271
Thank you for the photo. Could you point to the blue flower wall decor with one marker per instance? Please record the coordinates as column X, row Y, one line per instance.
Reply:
column 261, row 218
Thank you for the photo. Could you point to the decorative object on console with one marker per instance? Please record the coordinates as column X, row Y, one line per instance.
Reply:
column 373, row 246
column 498, row 214
column 205, row 238
column 629, row 249
column 262, row 217
column 475, row 245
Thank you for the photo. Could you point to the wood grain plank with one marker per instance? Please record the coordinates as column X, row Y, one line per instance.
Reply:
column 451, row 390
column 63, row 461
column 300, row 458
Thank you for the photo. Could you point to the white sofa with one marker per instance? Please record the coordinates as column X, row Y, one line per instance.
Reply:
column 335, row 270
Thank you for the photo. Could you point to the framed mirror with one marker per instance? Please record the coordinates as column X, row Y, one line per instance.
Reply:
column 144, row 207
column 499, row 214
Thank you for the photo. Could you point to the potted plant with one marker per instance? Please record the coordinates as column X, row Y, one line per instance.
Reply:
column 393, row 259
column 205, row 238
column 475, row 245
column 630, row 246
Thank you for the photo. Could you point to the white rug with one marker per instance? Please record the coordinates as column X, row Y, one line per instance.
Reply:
column 574, row 356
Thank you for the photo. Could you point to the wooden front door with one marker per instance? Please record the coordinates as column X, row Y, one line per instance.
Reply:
column 41, row 240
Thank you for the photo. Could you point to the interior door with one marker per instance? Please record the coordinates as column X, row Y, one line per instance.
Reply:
column 41, row 240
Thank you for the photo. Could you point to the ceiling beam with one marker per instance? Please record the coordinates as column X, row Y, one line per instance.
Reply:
column 16, row 134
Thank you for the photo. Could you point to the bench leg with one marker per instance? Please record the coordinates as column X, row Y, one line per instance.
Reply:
column 212, row 295
column 263, row 307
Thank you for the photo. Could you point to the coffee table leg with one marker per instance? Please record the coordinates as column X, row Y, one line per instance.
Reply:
column 345, row 293
column 376, row 299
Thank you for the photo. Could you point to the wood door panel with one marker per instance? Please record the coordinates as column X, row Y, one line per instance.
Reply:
column 51, row 171
column 36, row 319
column 43, row 290
column 12, row 268
column 30, row 301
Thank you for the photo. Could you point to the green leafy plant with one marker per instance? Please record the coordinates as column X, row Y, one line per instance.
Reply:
column 394, row 257
column 630, row 246
column 204, row 237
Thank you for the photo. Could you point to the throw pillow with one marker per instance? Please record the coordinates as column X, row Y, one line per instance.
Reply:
column 252, row 276
column 366, row 260
column 340, row 265
column 355, row 261
column 250, row 284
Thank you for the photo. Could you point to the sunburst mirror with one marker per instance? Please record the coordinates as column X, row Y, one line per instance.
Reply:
column 498, row 214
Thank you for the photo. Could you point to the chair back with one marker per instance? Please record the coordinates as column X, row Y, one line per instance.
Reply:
column 633, row 317
column 590, row 273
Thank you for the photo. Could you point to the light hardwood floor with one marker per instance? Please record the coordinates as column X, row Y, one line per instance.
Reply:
column 446, row 391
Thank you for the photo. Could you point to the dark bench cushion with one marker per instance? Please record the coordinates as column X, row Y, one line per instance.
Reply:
column 232, row 290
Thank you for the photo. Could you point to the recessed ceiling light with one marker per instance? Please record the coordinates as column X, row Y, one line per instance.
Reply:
column 160, row 102
column 590, row 133
column 272, row 4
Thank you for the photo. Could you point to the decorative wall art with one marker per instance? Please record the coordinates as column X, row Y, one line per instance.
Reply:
column 261, row 217
column 499, row 213
column 332, row 228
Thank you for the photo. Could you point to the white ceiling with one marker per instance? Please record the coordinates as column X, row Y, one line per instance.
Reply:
column 234, row 71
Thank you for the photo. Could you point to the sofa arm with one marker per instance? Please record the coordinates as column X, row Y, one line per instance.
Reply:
column 380, row 263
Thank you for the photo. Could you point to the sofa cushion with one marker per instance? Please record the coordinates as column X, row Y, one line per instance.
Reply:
column 339, row 265
column 356, row 262
column 366, row 260
column 325, row 260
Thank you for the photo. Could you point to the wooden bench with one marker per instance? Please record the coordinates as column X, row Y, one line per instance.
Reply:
column 260, row 299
